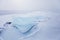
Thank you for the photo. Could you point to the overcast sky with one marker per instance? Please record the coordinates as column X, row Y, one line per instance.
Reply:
column 30, row 5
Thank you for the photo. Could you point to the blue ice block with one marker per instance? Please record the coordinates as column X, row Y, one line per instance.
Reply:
column 25, row 24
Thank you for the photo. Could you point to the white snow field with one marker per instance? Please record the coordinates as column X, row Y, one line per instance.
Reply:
column 23, row 26
column 49, row 28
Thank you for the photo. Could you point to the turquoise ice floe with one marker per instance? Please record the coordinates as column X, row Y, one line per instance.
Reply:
column 25, row 24
column 23, row 27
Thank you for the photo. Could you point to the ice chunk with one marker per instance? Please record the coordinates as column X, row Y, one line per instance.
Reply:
column 25, row 24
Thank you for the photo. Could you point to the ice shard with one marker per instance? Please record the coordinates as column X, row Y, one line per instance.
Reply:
column 25, row 24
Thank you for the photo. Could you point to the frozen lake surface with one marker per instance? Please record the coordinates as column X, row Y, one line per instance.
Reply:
column 50, row 29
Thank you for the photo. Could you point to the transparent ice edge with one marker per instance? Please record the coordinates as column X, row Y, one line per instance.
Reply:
column 33, row 31
column 25, row 23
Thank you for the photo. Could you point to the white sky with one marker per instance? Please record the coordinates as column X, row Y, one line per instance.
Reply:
column 29, row 5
